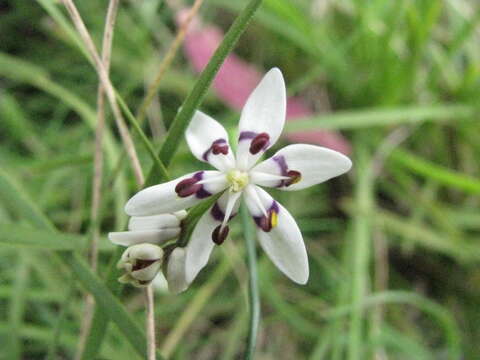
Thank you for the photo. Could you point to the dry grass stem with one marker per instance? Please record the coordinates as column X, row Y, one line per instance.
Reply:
column 170, row 55
column 109, row 91
column 150, row 324
column 98, row 172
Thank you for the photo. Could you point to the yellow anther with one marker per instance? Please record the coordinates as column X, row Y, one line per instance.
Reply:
column 273, row 219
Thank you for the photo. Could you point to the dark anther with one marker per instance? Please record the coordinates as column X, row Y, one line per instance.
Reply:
column 187, row 187
column 267, row 223
column 219, row 235
column 259, row 142
column 220, row 149
column 142, row 264
column 294, row 177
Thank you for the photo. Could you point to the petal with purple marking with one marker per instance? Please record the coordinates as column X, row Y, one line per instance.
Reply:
column 153, row 236
column 201, row 243
column 262, row 119
column 208, row 142
column 154, row 222
column 278, row 234
column 301, row 165
column 175, row 195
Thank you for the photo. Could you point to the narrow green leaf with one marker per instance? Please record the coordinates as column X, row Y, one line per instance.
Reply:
column 196, row 96
column 436, row 172
column 20, row 235
column 345, row 120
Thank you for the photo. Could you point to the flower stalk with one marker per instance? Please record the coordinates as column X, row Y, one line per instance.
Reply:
column 253, row 292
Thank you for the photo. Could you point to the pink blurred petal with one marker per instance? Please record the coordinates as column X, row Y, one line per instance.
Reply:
column 236, row 79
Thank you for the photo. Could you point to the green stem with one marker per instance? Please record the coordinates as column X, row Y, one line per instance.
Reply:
column 253, row 293
column 361, row 252
column 196, row 96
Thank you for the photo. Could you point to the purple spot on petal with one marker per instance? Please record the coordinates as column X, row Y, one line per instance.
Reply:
column 217, row 213
column 202, row 193
column 215, row 144
column 282, row 164
column 259, row 143
column 274, row 207
column 198, row 175
column 244, row 135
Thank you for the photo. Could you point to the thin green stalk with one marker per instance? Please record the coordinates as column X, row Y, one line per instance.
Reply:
column 361, row 252
column 196, row 96
column 253, row 292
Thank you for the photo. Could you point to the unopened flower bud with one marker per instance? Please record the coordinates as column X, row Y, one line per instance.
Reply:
column 176, row 276
column 141, row 264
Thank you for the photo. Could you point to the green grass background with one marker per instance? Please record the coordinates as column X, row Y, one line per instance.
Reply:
column 394, row 245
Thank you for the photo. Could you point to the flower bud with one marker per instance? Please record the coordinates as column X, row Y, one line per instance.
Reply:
column 141, row 264
column 176, row 276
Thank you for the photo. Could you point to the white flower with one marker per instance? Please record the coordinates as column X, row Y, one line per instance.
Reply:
column 154, row 229
column 141, row 264
column 294, row 167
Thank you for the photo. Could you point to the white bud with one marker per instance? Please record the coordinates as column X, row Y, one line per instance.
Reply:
column 141, row 264
column 176, row 276
column 155, row 229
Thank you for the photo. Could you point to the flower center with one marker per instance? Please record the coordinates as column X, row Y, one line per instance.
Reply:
column 237, row 180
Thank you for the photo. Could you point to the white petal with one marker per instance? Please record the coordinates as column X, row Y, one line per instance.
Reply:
column 154, row 222
column 284, row 242
column 316, row 164
column 177, row 281
column 264, row 112
column 162, row 198
column 201, row 244
column 128, row 238
column 202, row 134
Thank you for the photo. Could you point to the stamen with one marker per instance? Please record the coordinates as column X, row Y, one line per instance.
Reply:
column 220, row 149
column 252, row 194
column 220, row 234
column 294, row 177
column 219, row 146
column 232, row 199
column 187, row 187
column 212, row 179
column 259, row 142
column 268, row 222
column 257, row 177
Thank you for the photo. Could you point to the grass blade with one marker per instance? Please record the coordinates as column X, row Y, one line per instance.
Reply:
column 343, row 120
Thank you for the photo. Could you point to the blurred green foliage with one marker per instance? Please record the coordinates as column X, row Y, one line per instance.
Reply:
column 393, row 246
